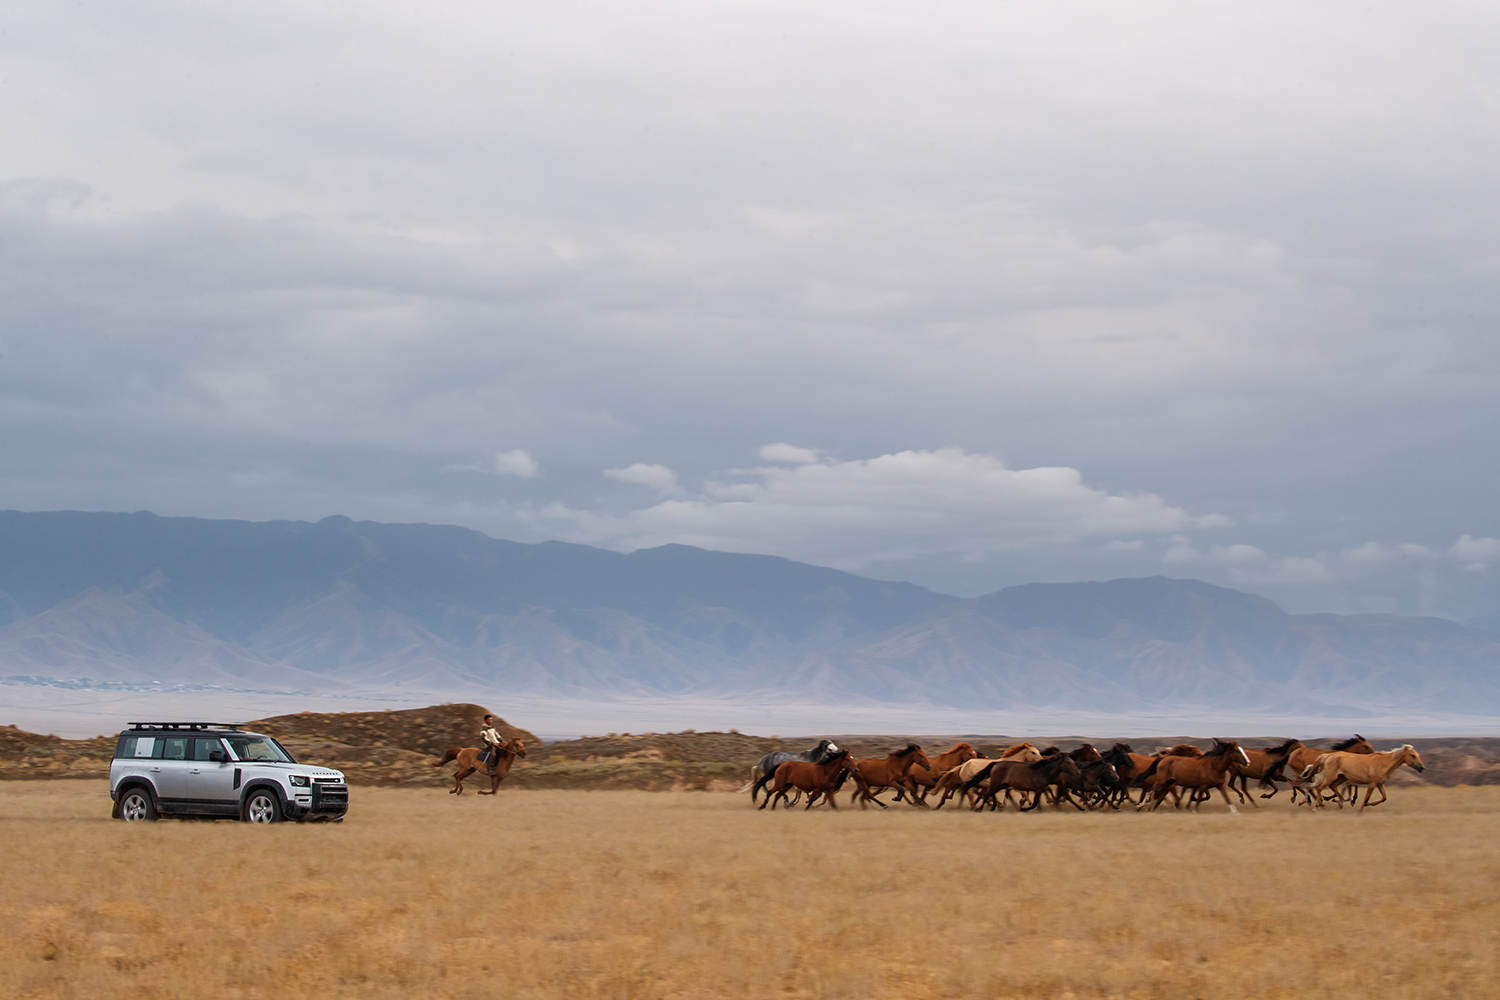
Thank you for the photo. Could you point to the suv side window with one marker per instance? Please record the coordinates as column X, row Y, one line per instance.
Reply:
column 204, row 745
column 173, row 748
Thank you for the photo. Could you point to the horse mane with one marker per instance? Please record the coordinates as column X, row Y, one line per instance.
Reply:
column 909, row 749
column 1051, row 751
column 1180, row 750
column 1016, row 748
column 960, row 746
column 1221, row 747
column 1346, row 744
column 1118, row 755
column 1278, row 751
column 1121, row 748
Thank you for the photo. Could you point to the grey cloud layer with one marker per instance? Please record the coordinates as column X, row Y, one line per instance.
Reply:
column 455, row 265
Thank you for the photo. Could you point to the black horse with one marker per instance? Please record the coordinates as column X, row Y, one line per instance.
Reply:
column 765, row 768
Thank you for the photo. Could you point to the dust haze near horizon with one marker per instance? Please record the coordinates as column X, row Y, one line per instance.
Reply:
column 968, row 295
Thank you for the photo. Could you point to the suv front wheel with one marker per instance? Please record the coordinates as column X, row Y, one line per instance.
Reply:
column 262, row 807
column 136, row 806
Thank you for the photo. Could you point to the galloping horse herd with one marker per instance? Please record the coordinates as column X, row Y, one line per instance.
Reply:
column 1026, row 778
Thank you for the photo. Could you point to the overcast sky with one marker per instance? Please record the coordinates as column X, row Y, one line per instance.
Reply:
column 970, row 294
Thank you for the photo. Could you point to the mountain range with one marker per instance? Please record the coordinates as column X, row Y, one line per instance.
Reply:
column 338, row 605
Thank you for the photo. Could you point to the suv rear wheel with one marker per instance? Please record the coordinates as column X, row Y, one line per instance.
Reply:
column 262, row 807
column 136, row 806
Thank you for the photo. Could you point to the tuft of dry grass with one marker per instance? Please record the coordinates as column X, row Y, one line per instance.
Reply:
column 686, row 895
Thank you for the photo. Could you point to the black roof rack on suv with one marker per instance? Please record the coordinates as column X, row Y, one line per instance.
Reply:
column 184, row 725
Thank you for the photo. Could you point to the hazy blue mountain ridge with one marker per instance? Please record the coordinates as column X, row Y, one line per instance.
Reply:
column 341, row 605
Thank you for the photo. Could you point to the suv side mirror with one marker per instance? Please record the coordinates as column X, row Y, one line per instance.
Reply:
column 218, row 757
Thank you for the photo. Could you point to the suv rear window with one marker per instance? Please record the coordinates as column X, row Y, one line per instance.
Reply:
column 155, row 747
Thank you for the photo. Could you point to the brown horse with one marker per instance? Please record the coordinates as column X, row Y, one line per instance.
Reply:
column 952, row 780
column 1370, row 770
column 874, row 774
column 468, row 763
column 814, row 779
column 920, row 780
column 1209, row 771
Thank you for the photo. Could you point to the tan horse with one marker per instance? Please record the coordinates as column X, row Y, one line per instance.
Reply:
column 468, row 763
column 952, row 780
column 1303, row 756
column 1371, row 770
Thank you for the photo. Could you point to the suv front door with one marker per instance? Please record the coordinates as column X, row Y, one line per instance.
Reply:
column 209, row 786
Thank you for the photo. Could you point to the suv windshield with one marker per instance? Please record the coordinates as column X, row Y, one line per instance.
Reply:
column 258, row 748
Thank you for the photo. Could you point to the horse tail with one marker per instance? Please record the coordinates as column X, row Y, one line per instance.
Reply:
column 450, row 755
column 969, row 785
column 1149, row 771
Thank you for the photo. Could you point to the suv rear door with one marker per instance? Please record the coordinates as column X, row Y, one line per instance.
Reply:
column 169, row 772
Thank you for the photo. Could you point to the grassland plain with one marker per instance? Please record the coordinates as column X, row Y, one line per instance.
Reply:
column 634, row 894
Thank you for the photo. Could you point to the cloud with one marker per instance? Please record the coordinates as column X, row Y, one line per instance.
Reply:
column 658, row 477
column 504, row 463
column 790, row 454
column 896, row 506
column 1476, row 553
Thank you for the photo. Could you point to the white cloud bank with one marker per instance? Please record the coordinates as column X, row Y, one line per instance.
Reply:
column 898, row 506
column 1250, row 565
column 657, row 477
column 504, row 463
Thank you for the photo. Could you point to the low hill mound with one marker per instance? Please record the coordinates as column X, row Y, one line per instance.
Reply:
column 431, row 730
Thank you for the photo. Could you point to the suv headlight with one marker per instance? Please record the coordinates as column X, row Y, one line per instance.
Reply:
column 298, row 779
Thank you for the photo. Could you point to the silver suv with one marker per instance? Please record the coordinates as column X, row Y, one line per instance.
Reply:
column 210, row 770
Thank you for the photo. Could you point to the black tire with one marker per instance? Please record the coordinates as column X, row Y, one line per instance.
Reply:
column 136, row 805
column 262, row 806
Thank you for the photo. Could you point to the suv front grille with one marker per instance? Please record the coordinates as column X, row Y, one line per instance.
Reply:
column 330, row 798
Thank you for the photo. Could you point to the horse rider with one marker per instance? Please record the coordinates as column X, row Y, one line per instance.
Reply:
column 492, row 742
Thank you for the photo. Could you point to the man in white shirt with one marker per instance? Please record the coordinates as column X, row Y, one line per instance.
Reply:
column 492, row 743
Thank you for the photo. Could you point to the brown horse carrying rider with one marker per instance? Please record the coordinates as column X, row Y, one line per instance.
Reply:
column 491, row 741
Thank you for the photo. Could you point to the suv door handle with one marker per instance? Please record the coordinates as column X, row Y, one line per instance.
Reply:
column 155, row 770
column 195, row 771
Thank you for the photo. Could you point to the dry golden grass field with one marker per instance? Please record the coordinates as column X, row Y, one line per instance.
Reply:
column 644, row 895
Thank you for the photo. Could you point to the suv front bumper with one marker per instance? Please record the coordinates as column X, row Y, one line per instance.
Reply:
column 328, row 801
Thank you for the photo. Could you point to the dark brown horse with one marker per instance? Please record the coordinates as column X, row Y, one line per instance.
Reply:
column 1130, row 767
column 469, row 762
column 1265, row 767
column 1209, row 771
column 1035, row 778
column 952, row 780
